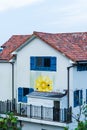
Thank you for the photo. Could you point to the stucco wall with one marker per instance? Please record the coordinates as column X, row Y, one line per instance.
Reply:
column 39, row 48
column 34, row 126
column 80, row 79
column 40, row 102
column 5, row 81
column 78, row 82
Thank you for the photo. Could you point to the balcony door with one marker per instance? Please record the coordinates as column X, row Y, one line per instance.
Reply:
column 56, row 112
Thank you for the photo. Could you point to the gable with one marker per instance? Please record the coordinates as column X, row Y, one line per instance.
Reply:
column 38, row 48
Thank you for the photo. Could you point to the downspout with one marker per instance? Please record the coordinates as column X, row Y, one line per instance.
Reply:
column 68, row 84
column 12, row 63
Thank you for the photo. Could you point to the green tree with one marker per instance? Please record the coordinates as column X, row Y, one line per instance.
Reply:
column 9, row 123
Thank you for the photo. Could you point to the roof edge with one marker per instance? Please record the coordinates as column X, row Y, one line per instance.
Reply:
column 23, row 45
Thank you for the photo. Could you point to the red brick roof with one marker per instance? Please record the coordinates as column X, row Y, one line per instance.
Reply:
column 72, row 45
column 11, row 45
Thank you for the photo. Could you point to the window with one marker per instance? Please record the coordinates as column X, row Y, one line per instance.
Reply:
column 47, row 62
column 22, row 92
column 25, row 91
column 39, row 61
column 82, row 67
column 78, row 95
column 43, row 63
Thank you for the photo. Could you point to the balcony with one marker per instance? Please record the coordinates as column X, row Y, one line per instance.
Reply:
column 36, row 112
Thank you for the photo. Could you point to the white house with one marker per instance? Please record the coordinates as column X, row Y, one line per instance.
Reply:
column 46, row 73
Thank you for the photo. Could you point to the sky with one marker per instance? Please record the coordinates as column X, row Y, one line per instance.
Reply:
column 22, row 17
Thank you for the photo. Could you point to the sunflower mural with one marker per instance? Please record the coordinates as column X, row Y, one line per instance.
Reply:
column 43, row 84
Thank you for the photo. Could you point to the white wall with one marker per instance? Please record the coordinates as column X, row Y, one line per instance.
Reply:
column 39, row 48
column 79, row 82
column 40, row 102
column 5, row 81
column 80, row 79
column 34, row 126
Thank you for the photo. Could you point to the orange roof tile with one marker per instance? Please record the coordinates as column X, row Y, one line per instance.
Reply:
column 11, row 45
column 72, row 45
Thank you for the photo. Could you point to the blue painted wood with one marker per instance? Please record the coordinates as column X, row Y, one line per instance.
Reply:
column 53, row 64
column 78, row 98
column 75, row 99
column 32, row 63
column 42, row 67
column 22, row 92
column 24, row 99
column 82, row 67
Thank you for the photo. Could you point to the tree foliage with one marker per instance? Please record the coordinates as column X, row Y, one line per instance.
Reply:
column 81, row 124
column 9, row 123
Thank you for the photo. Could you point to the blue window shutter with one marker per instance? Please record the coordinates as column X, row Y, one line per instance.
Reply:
column 75, row 103
column 24, row 99
column 82, row 67
column 44, row 66
column 81, row 97
column 76, row 98
column 20, row 94
column 32, row 63
column 78, row 68
column 53, row 64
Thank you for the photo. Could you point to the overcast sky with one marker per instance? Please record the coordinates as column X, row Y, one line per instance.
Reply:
column 54, row 16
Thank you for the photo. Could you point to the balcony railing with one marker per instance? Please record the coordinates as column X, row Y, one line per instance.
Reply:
column 36, row 112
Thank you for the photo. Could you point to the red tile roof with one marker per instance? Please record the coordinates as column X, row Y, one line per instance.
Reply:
column 72, row 45
column 11, row 45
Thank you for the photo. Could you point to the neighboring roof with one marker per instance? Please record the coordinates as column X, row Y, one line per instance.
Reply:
column 11, row 45
column 51, row 95
column 72, row 45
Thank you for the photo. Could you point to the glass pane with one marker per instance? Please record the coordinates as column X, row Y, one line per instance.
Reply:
column 46, row 62
column 38, row 61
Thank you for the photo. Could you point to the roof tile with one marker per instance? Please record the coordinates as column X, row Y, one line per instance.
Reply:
column 73, row 45
column 11, row 45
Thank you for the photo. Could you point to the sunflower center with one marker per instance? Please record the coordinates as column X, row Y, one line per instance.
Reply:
column 43, row 84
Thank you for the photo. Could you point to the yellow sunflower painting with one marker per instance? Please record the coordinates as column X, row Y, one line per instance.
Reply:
column 43, row 84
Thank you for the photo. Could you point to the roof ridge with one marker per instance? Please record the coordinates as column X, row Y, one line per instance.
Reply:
column 72, row 45
column 36, row 32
